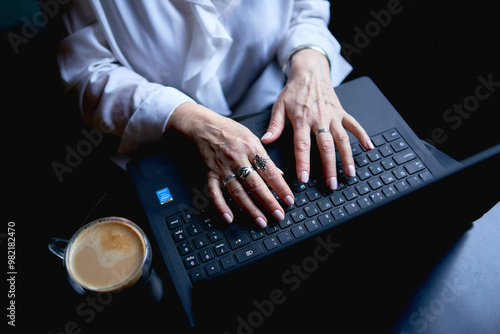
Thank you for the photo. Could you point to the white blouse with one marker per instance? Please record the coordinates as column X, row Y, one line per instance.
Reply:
column 132, row 62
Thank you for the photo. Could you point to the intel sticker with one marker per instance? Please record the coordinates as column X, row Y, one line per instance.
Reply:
column 164, row 195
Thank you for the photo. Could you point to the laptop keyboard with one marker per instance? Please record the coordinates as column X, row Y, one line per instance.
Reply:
column 209, row 248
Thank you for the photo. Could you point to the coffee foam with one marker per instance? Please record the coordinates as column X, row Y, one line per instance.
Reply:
column 112, row 242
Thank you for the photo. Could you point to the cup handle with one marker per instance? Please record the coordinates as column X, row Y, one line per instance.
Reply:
column 58, row 251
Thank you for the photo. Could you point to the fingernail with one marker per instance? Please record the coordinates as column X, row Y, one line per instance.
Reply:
column 304, row 177
column 332, row 183
column 278, row 215
column 369, row 144
column 279, row 170
column 261, row 222
column 266, row 135
column 289, row 200
column 351, row 172
column 227, row 218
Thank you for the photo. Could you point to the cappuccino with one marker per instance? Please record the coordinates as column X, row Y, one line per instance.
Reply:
column 107, row 255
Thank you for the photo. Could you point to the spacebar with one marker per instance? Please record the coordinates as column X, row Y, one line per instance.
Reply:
column 249, row 252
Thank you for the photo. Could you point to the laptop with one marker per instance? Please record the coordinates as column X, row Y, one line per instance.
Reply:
column 399, row 185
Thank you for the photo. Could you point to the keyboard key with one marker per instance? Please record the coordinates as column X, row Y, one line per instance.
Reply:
column 400, row 173
column 351, row 208
column 402, row 186
column 365, row 203
column 386, row 151
column 212, row 269
column 311, row 210
column 324, row 204
column 271, row 243
column 337, row 199
column 356, row 149
column 391, row 135
column 191, row 261
column 387, row 178
column 249, row 252
column 299, row 186
column 404, row 157
column 389, row 191
column 388, row 164
column 206, row 255
column 173, row 222
column 350, row 194
column 362, row 160
column 325, row 219
column 375, row 183
column 270, row 229
column 207, row 224
column 188, row 217
column 235, row 238
column 311, row 225
column 374, row 156
column 298, row 216
column 285, row 237
column 227, row 262
column 426, row 176
column 363, row 174
column 214, row 236
column 285, row 222
column 200, row 241
column 313, row 195
column 399, row 145
column 378, row 140
column 376, row 169
column 197, row 274
column 415, row 166
column 185, row 248
column 363, row 189
column 377, row 197
column 180, row 235
column 194, row 229
column 339, row 214
column 414, row 181
column 300, row 200
column 221, row 248
column 298, row 231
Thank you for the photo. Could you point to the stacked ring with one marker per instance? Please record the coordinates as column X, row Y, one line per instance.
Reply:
column 227, row 179
column 327, row 130
column 245, row 171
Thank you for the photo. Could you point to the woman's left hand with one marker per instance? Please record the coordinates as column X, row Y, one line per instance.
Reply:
column 310, row 103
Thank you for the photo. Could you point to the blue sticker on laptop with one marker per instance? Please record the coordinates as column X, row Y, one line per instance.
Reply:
column 164, row 195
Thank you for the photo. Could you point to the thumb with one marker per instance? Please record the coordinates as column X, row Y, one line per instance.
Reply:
column 276, row 124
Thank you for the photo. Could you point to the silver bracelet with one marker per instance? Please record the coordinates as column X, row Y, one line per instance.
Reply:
column 286, row 65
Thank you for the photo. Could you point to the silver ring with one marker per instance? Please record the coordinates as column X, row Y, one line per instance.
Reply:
column 260, row 163
column 227, row 178
column 322, row 130
column 245, row 171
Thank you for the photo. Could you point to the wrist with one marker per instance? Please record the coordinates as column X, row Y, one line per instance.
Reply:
column 306, row 55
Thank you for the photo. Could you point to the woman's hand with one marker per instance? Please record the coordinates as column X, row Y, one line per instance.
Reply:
column 226, row 147
column 311, row 105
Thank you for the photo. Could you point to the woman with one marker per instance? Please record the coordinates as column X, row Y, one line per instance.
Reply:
column 141, row 68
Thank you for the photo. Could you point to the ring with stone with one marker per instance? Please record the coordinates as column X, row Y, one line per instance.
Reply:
column 260, row 163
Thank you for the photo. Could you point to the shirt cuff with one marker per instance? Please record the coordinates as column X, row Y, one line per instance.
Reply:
column 149, row 121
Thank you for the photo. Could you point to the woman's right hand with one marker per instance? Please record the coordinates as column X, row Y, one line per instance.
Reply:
column 226, row 147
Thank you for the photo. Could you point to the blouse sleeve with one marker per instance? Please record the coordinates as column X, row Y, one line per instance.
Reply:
column 111, row 96
column 309, row 26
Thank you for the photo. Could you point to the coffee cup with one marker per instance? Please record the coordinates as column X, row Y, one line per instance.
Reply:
column 105, row 255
